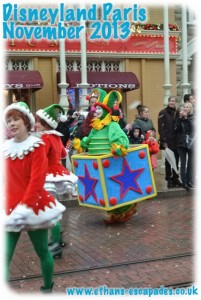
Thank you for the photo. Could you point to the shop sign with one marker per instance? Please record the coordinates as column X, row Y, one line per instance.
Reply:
column 111, row 86
column 139, row 44
column 12, row 86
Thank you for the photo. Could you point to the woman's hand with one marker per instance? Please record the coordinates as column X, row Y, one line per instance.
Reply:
column 128, row 126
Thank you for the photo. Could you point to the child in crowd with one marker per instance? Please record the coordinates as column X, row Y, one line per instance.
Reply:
column 150, row 140
column 135, row 135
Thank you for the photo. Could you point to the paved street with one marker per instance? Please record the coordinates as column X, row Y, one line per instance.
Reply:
column 154, row 248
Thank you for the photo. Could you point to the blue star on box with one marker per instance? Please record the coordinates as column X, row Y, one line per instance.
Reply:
column 106, row 182
column 89, row 184
column 128, row 179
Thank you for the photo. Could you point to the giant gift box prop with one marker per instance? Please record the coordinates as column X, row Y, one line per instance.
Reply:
column 107, row 182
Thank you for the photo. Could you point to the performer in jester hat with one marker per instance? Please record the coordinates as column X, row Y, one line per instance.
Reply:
column 28, row 205
column 58, row 179
column 106, row 137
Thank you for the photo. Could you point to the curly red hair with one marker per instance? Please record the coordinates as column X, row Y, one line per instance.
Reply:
column 17, row 113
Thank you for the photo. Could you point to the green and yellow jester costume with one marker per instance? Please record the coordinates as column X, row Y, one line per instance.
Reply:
column 106, row 137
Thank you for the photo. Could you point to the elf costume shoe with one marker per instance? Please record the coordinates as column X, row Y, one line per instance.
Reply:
column 56, row 250
column 46, row 290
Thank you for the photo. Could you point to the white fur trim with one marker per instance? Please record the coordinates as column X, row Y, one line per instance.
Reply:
column 47, row 118
column 19, row 150
column 17, row 228
column 63, row 118
column 60, row 188
column 23, row 216
column 39, row 134
column 74, row 177
column 53, row 132
column 21, row 109
column 71, row 178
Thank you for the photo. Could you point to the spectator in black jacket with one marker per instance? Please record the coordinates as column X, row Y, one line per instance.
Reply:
column 185, row 132
column 166, row 127
column 64, row 129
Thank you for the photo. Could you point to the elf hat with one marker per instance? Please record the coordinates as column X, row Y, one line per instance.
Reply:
column 50, row 115
column 106, row 101
column 23, row 108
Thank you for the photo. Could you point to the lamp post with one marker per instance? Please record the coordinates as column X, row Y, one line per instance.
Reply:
column 83, row 85
column 185, row 84
column 63, row 85
column 167, row 86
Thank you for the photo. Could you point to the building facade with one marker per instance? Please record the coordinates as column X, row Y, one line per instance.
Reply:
column 142, row 54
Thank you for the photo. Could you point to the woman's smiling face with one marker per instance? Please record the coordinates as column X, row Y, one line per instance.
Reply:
column 17, row 127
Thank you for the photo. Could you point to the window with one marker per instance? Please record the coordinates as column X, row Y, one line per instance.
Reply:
column 93, row 65
column 17, row 64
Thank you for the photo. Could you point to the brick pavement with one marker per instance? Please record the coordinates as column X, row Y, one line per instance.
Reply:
column 151, row 274
column 161, row 228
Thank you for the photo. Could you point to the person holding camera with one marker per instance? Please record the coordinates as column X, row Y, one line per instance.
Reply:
column 166, row 128
column 84, row 126
column 185, row 144
column 189, row 98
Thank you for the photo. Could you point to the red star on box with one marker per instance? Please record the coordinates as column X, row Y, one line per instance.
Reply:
column 128, row 179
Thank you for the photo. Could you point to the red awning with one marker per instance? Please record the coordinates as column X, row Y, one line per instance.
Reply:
column 23, row 80
column 125, row 81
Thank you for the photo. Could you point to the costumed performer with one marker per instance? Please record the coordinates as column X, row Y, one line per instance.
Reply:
column 58, row 179
column 28, row 206
column 105, row 128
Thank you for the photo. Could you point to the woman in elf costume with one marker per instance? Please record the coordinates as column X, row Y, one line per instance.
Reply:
column 106, row 137
column 58, row 179
column 28, row 206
